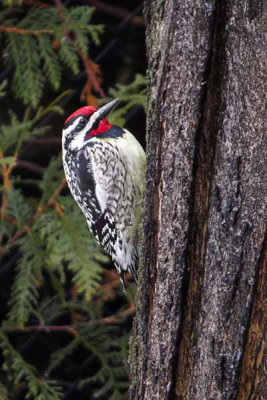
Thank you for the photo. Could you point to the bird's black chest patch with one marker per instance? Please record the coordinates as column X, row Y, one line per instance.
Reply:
column 114, row 132
column 82, row 185
column 84, row 172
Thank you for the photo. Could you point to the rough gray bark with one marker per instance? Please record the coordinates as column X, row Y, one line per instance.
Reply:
column 200, row 329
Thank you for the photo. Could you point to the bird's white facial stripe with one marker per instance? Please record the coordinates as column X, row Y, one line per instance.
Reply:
column 70, row 128
column 78, row 139
column 91, row 121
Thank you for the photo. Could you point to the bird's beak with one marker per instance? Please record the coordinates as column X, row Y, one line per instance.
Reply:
column 104, row 110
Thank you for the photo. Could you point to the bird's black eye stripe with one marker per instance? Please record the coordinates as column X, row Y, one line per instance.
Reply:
column 69, row 123
column 82, row 123
column 95, row 125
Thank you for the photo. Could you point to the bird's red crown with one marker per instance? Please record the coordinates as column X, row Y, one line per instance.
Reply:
column 87, row 110
column 103, row 125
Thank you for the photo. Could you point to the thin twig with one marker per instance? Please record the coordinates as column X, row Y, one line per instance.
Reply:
column 45, row 141
column 20, row 31
column 57, row 192
column 113, row 319
column 30, row 166
column 44, row 328
column 17, row 235
column 52, row 201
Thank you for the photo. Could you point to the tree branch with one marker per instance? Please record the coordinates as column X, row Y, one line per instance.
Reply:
column 45, row 141
column 20, row 31
column 30, row 166
column 72, row 329
column 44, row 328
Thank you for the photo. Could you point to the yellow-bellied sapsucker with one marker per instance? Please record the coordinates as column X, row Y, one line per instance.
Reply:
column 104, row 167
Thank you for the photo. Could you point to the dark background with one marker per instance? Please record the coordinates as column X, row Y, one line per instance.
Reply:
column 121, row 55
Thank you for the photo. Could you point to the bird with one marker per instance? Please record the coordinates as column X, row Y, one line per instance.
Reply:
column 104, row 166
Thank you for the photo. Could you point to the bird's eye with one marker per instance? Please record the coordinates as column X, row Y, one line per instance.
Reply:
column 82, row 122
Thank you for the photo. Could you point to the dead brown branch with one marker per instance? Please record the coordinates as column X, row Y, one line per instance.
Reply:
column 20, row 31
column 73, row 329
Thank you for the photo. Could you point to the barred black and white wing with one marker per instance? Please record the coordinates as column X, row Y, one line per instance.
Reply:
column 108, row 202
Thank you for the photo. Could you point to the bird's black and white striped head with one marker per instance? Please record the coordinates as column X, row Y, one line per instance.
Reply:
column 86, row 123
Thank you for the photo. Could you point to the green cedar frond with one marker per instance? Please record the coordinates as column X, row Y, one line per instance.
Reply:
column 37, row 387
column 11, row 133
column 17, row 130
column 52, row 66
column 50, row 42
column 24, row 292
column 28, row 79
column 81, row 15
column 131, row 95
column 58, row 357
column 82, row 42
column 112, row 374
column 33, row 77
column 6, row 229
column 18, row 208
column 52, row 178
column 3, row 392
column 78, row 20
column 38, row 18
column 52, row 308
column 95, row 31
column 85, row 253
column 13, row 50
column 3, row 86
column 69, row 56
column 68, row 241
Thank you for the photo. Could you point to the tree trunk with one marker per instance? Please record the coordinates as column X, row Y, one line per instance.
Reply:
column 201, row 325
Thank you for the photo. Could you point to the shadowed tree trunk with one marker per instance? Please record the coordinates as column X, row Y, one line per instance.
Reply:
column 201, row 326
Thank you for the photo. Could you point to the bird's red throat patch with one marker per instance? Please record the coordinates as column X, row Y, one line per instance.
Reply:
column 103, row 127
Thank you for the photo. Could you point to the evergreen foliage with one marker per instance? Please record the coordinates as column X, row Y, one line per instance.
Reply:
column 110, row 355
column 20, row 370
column 61, row 291
column 32, row 49
column 24, row 292
column 131, row 95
